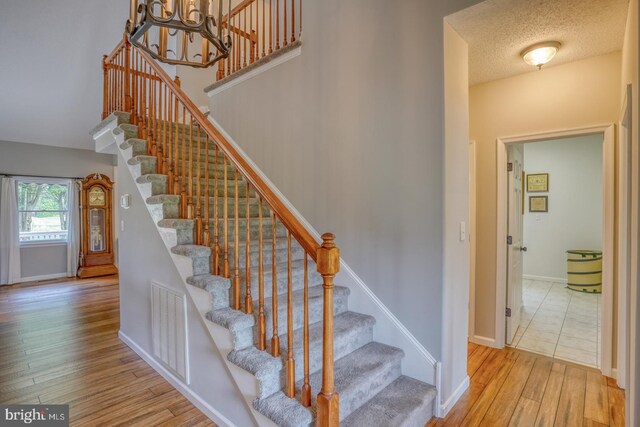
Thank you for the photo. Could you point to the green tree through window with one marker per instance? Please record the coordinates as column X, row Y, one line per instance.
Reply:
column 43, row 210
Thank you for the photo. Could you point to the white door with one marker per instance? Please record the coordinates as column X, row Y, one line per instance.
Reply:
column 515, row 247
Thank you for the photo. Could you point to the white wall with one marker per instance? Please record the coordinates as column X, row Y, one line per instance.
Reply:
column 575, row 95
column 32, row 159
column 456, row 211
column 144, row 258
column 574, row 220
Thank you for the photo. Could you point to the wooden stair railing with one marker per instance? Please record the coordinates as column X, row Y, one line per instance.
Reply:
column 170, row 123
column 258, row 28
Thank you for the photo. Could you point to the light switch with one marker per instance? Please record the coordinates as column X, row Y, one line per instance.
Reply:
column 125, row 201
column 463, row 231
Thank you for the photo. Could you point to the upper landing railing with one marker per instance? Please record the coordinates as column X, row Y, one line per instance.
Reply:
column 259, row 28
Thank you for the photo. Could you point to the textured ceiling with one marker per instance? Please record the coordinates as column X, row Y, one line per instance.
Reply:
column 498, row 30
column 50, row 72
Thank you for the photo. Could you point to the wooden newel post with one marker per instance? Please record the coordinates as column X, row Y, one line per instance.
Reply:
column 127, row 76
column 105, row 89
column 328, row 405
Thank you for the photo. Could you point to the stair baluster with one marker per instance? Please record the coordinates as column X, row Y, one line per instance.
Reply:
column 236, row 248
column 184, row 203
column 262, row 328
column 275, row 339
column 189, row 192
column 306, row 387
column 105, row 88
column 293, row 21
column 271, row 26
column 206, row 236
column 176, row 157
column 198, row 212
column 248, row 300
column 216, row 244
column 290, row 387
column 284, row 18
column 171, row 154
column 225, row 264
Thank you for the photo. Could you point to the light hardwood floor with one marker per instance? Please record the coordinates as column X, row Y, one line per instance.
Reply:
column 59, row 345
column 511, row 387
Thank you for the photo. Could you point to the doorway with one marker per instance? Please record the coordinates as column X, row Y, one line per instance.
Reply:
column 557, row 199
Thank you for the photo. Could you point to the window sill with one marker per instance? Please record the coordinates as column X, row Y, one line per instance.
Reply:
column 42, row 244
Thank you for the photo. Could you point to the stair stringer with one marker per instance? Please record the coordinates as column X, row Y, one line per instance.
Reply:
column 418, row 363
column 221, row 337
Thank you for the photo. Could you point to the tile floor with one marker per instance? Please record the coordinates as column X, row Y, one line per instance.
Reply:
column 560, row 323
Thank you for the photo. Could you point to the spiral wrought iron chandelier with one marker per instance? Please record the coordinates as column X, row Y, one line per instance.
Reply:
column 171, row 30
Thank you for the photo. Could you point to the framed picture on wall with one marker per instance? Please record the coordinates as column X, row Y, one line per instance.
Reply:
column 538, row 204
column 538, row 183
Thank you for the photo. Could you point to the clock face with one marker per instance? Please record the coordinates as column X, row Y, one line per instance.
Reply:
column 96, row 197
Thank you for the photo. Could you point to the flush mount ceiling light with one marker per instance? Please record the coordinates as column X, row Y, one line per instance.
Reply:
column 540, row 53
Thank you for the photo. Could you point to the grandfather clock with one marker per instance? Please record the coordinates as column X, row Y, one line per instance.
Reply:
column 96, row 256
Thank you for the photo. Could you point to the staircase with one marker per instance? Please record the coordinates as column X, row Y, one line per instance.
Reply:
column 291, row 327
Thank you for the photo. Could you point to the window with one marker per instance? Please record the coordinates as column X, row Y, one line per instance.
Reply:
column 43, row 210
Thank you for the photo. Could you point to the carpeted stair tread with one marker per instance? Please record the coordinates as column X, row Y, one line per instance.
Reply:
column 177, row 223
column 284, row 411
column 297, row 275
column 316, row 294
column 259, row 363
column 163, row 198
column 130, row 142
column 234, row 320
column 406, row 402
column 151, row 177
column 140, row 158
column 342, row 323
column 207, row 281
column 361, row 374
column 351, row 331
column 193, row 251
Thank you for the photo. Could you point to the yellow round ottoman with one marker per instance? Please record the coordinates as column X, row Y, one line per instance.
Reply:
column 584, row 270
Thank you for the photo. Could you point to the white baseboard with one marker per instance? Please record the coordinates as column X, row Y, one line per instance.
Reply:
column 417, row 357
column 43, row 277
column 487, row 342
column 445, row 407
column 188, row 393
column 545, row 278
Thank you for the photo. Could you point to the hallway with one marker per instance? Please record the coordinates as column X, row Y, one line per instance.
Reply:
column 59, row 344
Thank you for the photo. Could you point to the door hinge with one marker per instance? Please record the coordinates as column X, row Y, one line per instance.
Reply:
column 507, row 312
column 509, row 240
column 509, row 167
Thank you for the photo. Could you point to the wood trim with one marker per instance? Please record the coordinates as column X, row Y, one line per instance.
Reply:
column 471, row 237
column 301, row 234
column 624, row 231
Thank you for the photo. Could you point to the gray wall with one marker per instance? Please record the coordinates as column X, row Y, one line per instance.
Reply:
column 32, row 159
column 351, row 132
